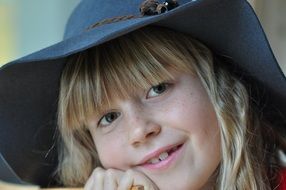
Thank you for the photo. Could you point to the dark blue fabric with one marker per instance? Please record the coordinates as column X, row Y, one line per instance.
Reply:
column 6, row 172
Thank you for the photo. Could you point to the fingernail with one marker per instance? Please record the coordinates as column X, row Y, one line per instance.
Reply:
column 137, row 187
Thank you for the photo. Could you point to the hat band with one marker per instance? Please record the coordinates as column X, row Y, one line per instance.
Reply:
column 148, row 7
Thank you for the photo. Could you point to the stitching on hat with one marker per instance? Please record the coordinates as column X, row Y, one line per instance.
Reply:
column 112, row 20
column 147, row 7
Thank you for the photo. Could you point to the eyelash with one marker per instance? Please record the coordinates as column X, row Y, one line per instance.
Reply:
column 166, row 85
column 162, row 86
column 104, row 118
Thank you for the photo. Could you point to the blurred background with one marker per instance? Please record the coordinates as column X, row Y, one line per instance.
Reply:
column 30, row 25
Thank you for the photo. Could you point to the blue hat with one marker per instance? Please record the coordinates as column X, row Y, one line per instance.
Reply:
column 29, row 86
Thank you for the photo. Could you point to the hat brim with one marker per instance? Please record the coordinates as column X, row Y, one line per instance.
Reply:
column 29, row 86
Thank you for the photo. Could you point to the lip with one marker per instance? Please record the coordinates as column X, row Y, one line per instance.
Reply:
column 157, row 152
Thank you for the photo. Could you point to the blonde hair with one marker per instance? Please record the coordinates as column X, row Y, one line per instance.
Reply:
column 141, row 58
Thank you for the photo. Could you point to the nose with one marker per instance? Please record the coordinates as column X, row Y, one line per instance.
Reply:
column 142, row 129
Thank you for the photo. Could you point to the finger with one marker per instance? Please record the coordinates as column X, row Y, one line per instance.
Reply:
column 111, row 179
column 98, row 178
column 136, row 178
column 126, row 181
column 89, row 184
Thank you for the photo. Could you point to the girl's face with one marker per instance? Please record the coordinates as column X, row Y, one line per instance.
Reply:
column 169, row 132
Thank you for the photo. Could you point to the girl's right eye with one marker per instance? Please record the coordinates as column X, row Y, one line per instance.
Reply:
column 108, row 118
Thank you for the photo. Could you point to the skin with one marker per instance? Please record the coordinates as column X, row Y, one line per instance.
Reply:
column 177, row 111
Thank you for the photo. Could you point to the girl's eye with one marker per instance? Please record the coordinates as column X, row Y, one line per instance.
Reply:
column 108, row 118
column 157, row 90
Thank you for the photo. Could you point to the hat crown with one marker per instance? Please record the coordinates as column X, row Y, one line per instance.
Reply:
column 89, row 12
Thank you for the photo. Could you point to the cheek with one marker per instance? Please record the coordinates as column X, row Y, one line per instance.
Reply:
column 203, row 125
column 108, row 148
column 192, row 113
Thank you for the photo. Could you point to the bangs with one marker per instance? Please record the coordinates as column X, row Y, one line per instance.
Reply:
column 118, row 69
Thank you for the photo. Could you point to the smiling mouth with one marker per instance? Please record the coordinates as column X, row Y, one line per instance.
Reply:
column 164, row 155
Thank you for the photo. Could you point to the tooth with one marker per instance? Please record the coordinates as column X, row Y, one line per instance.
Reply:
column 154, row 161
column 163, row 156
column 174, row 149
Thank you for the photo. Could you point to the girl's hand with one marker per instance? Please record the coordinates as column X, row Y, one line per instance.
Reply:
column 113, row 179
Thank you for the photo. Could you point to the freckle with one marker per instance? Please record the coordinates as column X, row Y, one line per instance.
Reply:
column 206, row 131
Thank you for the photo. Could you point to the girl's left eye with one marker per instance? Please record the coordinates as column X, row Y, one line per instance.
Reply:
column 157, row 90
column 108, row 118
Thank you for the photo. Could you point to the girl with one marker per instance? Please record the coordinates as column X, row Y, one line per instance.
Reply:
column 156, row 108
column 142, row 102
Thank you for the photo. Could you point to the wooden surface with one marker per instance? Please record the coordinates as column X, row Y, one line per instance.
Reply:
column 9, row 186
